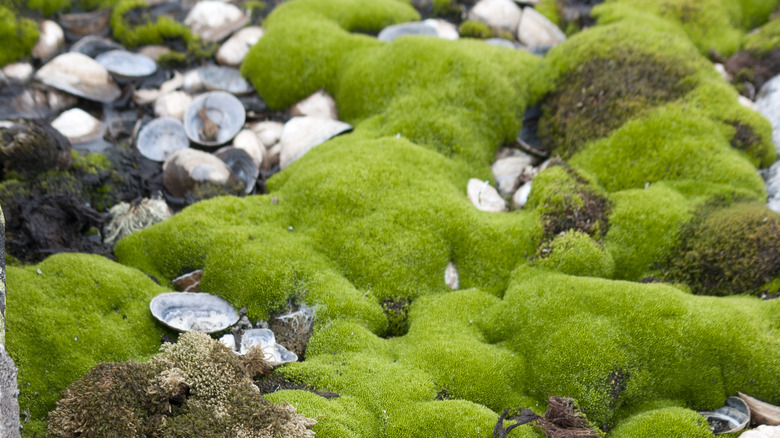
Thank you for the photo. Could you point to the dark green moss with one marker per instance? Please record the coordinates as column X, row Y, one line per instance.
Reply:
column 474, row 29
column 396, row 311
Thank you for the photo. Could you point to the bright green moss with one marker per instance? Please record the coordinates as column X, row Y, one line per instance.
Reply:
column 78, row 311
column 17, row 36
column 664, row 423
column 474, row 29
column 576, row 253
column 765, row 39
column 342, row 417
column 89, row 164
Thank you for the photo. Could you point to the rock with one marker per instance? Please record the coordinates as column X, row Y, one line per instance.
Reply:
column 80, row 75
column 721, row 69
column 537, row 32
column 268, row 132
column 9, row 392
column 768, row 104
column 390, row 33
column 173, row 104
column 520, row 197
column 126, row 64
column 161, row 138
column 772, row 178
column 451, row 276
column 228, row 79
column 192, row 83
column 498, row 14
column 78, row 126
column 319, row 104
column 747, row 103
column 189, row 169
column 49, row 42
column 301, row 134
column 507, row 170
column 18, row 71
column 33, row 102
column 762, row 431
column 93, row 45
column 250, row 142
column 234, row 50
column 154, row 51
column 484, row 196
column 214, row 20
column 32, row 147
column 444, row 29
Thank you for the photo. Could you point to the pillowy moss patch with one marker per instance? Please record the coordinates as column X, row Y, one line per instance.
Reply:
column 17, row 36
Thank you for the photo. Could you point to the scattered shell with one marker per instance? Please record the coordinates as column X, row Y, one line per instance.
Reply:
column 92, row 45
column 419, row 28
column 732, row 417
column 275, row 354
column 451, row 276
column 154, row 51
column 78, row 126
column 199, row 312
column 161, row 138
column 484, row 196
column 250, row 142
column 18, row 71
column 80, row 75
column 145, row 95
column 220, row 78
column 214, row 20
column 233, row 52
column 538, row 32
column 763, row 431
column 319, row 104
column 507, row 171
column 242, row 164
column 49, row 41
column 192, row 82
column 444, row 29
column 81, row 24
column 761, row 412
column 498, row 14
column 186, row 169
column 520, row 197
column 126, row 64
column 301, row 134
column 268, row 132
column 127, row 218
column 173, row 104
column 188, row 282
column 223, row 114
column 33, row 102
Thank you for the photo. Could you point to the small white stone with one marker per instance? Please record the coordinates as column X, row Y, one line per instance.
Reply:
column 154, row 51
column 234, row 50
column 768, row 104
column 319, row 104
column 721, row 69
column 301, row 134
column 772, row 177
column 507, row 170
column 269, row 132
column 18, row 71
column 249, row 141
column 498, row 14
column 444, row 29
column 50, row 40
column 213, row 20
column 747, row 103
column 192, row 83
column 520, row 197
column 451, row 276
column 173, row 104
column 78, row 125
column 762, row 431
column 484, row 196
column 536, row 31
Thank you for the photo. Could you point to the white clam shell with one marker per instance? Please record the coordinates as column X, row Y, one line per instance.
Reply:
column 199, row 312
column 222, row 78
column 301, row 134
column 161, row 138
column 269, row 132
column 484, row 196
column 173, row 104
column 126, row 64
column 451, row 276
column 50, row 40
column 538, row 32
column 507, row 170
column 319, row 104
column 214, row 20
column 234, row 50
column 78, row 126
column 80, row 75
column 418, row 28
column 250, row 142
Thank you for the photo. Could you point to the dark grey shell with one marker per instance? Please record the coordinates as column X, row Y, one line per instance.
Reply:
column 126, row 64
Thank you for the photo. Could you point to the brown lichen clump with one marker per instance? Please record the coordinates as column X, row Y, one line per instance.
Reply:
column 588, row 103
column 196, row 387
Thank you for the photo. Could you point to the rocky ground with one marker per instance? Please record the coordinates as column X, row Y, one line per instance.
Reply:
column 492, row 218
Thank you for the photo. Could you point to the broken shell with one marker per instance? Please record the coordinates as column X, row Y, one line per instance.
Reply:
column 732, row 417
column 188, row 311
column 93, row 46
column 18, row 71
column 507, row 170
column 220, row 78
column 189, row 282
column 78, row 126
column 301, row 134
column 484, row 196
column 319, row 104
column 161, row 138
column 250, row 142
column 520, row 198
column 268, row 132
column 451, row 276
column 223, row 109
column 233, row 52
column 80, row 75
column 242, row 165
column 77, row 25
column 761, row 412
column 214, row 20
column 186, row 169
column 275, row 354
column 126, row 64
column 173, row 104
column 49, row 41
column 419, row 28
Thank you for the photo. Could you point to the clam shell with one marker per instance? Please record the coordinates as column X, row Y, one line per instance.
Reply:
column 92, row 45
column 187, row 168
column 126, row 64
column 233, row 52
column 732, row 417
column 214, row 20
column 418, row 28
column 80, row 75
column 221, row 78
column 77, row 25
column 301, row 134
column 251, row 143
column 762, row 412
column 78, row 126
column 50, row 40
column 161, row 138
column 319, row 104
column 188, row 311
column 222, row 108
column 275, row 354
column 242, row 164
column 484, row 196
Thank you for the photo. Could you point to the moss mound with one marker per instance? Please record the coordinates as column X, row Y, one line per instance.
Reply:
column 17, row 35
column 575, row 253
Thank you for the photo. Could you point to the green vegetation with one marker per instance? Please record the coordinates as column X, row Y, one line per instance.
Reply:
column 474, row 29
column 576, row 253
column 17, row 36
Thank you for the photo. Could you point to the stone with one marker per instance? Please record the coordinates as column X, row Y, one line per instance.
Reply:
column 80, row 75
column 417, row 28
column 319, row 104
column 9, row 394
column 250, row 142
column 78, row 126
column 233, row 51
column 772, row 178
column 214, row 20
column 537, row 32
column 507, row 171
column 520, row 197
column 173, row 104
column 269, row 132
column 18, row 71
column 444, row 29
column 484, row 196
column 451, row 276
column 768, row 104
column 154, row 51
column 301, row 134
column 762, row 431
column 49, row 42
column 498, row 14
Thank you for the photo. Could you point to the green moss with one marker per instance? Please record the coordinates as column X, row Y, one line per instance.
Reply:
column 666, row 423
column 17, row 36
column 101, row 313
column 90, row 163
column 576, row 253
column 474, row 29
column 342, row 417
column 549, row 8
column 764, row 40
